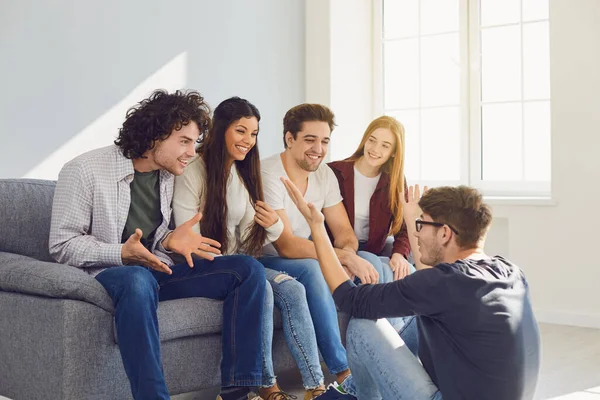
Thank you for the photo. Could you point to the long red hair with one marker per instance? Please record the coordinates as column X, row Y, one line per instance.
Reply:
column 394, row 167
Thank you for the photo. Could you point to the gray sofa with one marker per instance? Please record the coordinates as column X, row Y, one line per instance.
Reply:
column 57, row 338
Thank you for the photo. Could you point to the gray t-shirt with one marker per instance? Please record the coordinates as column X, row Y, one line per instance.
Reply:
column 144, row 209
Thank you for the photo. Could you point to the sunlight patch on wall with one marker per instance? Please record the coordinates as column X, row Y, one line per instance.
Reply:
column 103, row 131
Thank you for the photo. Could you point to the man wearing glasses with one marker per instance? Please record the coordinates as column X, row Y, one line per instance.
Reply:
column 478, row 338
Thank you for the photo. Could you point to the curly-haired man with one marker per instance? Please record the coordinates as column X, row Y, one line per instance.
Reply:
column 110, row 216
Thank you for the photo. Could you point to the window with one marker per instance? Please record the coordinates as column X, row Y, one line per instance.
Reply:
column 469, row 80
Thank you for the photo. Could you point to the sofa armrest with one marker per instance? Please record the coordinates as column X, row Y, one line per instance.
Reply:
column 21, row 274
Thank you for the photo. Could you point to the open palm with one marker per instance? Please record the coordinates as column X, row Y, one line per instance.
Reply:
column 308, row 210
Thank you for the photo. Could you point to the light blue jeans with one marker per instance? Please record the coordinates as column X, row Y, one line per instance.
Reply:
column 382, row 364
column 320, row 304
column 289, row 296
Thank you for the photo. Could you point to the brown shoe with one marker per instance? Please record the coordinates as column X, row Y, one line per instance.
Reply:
column 281, row 395
column 312, row 393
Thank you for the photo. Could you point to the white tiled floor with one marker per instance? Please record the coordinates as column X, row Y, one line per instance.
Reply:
column 570, row 367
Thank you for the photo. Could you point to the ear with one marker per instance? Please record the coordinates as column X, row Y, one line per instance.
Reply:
column 446, row 235
column 289, row 138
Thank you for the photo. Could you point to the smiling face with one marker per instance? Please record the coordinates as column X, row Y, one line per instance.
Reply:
column 310, row 146
column 430, row 243
column 379, row 147
column 174, row 152
column 240, row 138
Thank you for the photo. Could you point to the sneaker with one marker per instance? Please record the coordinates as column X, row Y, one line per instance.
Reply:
column 335, row 392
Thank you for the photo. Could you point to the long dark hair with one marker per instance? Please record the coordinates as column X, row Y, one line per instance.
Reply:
column 213, row 151
column 156, row 117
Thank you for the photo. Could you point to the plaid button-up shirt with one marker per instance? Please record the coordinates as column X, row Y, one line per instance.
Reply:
column 90, row 208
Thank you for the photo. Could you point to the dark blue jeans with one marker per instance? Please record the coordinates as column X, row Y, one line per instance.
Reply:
column 237, row 280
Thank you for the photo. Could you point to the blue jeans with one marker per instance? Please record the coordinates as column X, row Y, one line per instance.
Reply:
column 382, row 364
column 136, row 291
column 289, row 296
column 320, row 303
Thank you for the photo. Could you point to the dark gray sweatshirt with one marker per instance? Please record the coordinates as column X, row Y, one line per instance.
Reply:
column 478, row 338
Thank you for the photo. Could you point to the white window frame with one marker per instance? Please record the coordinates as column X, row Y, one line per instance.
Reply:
column 470, row 115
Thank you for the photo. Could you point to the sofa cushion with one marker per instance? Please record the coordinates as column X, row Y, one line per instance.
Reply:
column 26, row 275
column 193, row 316
column 25, row 211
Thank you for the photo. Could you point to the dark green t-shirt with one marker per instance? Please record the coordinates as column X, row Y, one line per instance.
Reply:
column 144, row 209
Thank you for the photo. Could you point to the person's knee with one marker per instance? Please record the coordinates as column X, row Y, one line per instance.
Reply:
column 289, row 290
column 269, row 302
column 360, row 329
column 138, row 283
column 248, row 268
column 370, row 257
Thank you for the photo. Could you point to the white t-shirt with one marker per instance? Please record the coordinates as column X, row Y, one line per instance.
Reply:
column 323, row 191
column 364, row 187
column 189, row 197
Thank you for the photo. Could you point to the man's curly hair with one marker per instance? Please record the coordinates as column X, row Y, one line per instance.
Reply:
column 157, row 116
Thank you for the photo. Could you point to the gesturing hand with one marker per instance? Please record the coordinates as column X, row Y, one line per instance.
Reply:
column 183, row 240
column 133, row 252
column 308, row 210
column 265, row 216
column 410, row 206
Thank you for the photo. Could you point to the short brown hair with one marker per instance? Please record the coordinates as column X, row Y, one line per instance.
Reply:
column 463, row 208
column 296, row 116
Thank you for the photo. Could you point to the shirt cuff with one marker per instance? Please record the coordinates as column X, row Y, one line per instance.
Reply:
column 111, row 254
column 159, row 244
column 274, row 231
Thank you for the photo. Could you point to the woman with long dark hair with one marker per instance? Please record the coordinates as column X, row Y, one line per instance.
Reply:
column 224, row 182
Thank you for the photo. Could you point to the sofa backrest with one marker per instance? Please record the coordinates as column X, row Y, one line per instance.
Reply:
column 25, row 211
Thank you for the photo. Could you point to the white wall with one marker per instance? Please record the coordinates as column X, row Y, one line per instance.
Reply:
column 69, row 69
column 339, row 67
column 554, row 244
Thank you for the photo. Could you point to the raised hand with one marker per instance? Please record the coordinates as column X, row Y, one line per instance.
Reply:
column 183, row 240
column 308, row 210
column 410, row 207
column 133, row 252
column 265, row 216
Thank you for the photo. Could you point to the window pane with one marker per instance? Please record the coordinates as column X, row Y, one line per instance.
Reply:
column 440, row 70
column 535, row 10
column 401, row 74
column 536, row 120
column 412, row 151
column 501, row 64
column 440, row 151
column 536, row 61
column 502, row 144
column 500, row 12
column 400, row 18
column 439, row 16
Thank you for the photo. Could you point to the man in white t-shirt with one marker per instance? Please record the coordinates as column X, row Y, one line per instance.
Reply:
column 307, row 131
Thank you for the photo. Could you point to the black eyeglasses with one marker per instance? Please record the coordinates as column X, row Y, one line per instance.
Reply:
column 419, row 225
